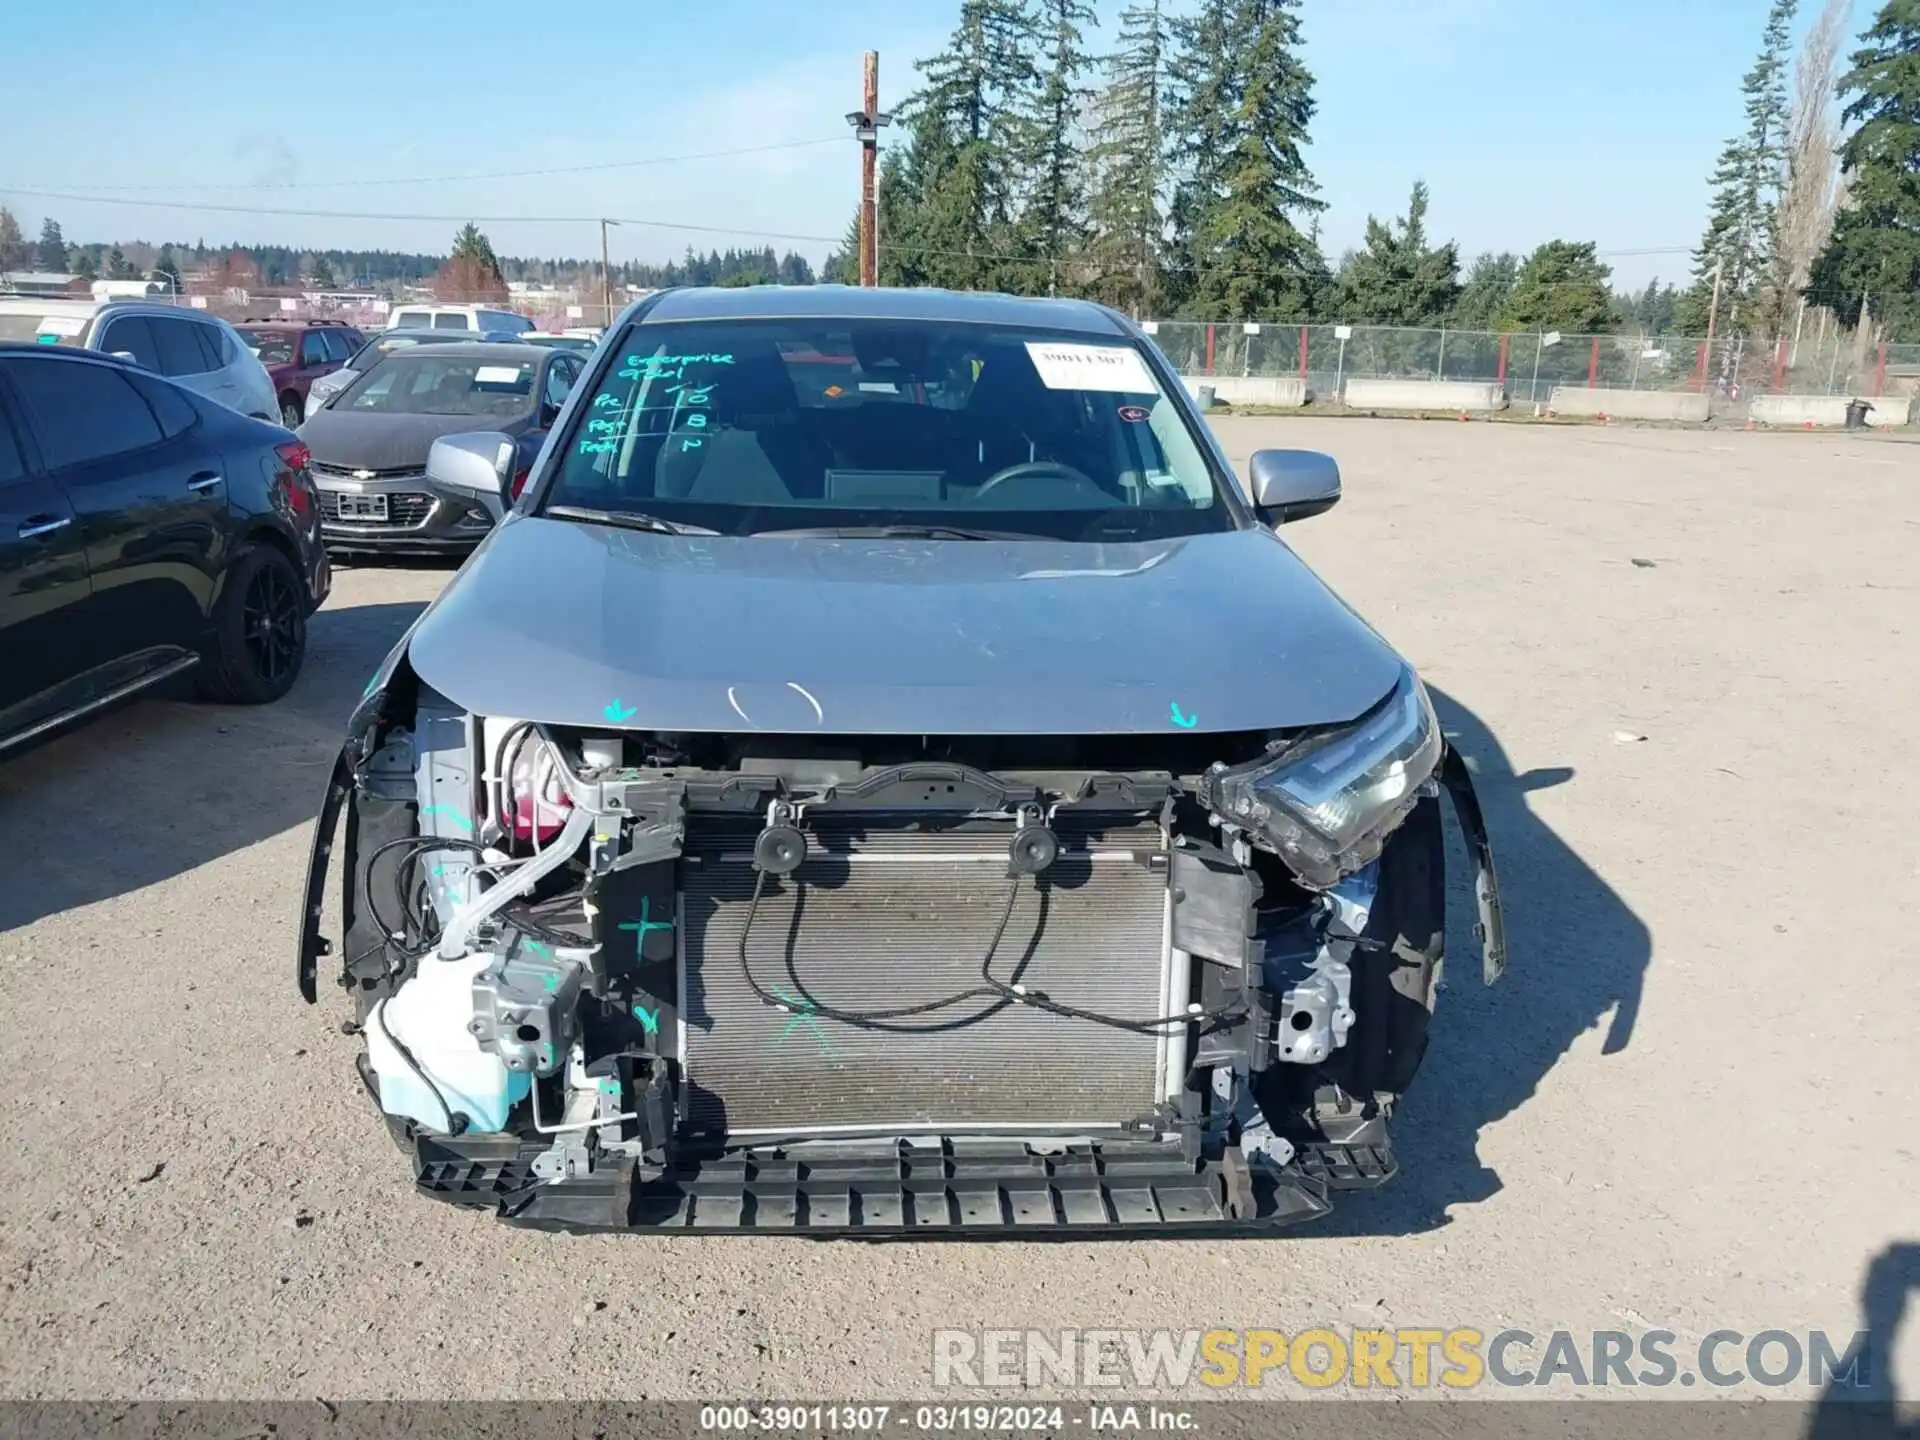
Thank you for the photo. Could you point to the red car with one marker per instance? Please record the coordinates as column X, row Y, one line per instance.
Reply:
column 296, row 353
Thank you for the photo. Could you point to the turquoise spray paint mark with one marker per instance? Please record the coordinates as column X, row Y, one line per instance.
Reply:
column 801, row 1013
column 649, row 1019
column 450, row 812
column 537, row 948
column 644, row 924
column 1184, row 721
column 619, row 713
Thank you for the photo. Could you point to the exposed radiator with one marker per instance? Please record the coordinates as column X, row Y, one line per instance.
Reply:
column 895, row 916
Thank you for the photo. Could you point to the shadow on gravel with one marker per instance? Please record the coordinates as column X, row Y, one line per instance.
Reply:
column 1867, row 1402
column 163, row 785
column 1578, row 958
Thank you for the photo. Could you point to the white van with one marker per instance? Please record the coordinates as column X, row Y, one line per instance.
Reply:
column 457, row 317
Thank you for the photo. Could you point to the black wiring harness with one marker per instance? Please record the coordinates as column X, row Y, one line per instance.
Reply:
column 992, row 988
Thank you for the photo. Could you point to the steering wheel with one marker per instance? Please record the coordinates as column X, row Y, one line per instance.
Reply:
column 1029, row 469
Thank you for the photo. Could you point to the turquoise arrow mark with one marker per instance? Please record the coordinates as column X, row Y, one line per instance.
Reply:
column 1184, row 721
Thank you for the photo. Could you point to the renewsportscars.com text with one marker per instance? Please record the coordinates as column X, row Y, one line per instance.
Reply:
column 1404, row 1358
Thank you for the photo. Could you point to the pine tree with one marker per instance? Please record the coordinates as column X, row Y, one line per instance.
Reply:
column 1204, row 87
column 1053, row 223
column 166, row 269
column 1128, row 160
column 1563, row 285
column 13, row 244
column 1875, row 247
column 52, row 254
column 1397, row 279
column 119, row 267
column 85, row 267
column 968, row 129
column 1747, row 180
column 472, row 271
column 321, row 273
column 1484, row 296
column 1255, row 261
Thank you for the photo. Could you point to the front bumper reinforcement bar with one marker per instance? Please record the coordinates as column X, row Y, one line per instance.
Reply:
column 959, row 1187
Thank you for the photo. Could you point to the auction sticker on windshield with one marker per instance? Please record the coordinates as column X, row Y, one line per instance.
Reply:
column 1115, row 368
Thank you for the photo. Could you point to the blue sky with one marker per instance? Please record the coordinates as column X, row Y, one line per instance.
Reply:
column 1529, row 119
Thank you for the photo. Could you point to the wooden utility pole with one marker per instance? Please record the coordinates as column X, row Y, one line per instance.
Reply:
column 606, row 277
column 867, row 123
column 869, row 170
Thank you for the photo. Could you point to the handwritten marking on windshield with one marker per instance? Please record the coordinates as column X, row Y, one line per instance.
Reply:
column 598, row 447
column 736, row 706
column 619, row 713
column 666, row 367
column 1184, row 721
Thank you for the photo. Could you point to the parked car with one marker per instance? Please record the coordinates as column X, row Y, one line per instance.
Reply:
column 370, row 442
column 297, row 353
column 144, row 531
column 369, row 355
column 458, row 317
column 200, row 351
column 957, row 811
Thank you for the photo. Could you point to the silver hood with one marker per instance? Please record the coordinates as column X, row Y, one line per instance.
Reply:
column 577, row 624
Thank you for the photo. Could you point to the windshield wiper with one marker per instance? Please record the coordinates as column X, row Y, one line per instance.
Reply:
column 625, row 519
column 891, row 532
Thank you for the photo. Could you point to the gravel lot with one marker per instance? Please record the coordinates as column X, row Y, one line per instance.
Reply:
column 1690, row 1105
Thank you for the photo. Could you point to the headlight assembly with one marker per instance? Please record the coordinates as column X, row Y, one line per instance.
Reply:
column 1327, row 802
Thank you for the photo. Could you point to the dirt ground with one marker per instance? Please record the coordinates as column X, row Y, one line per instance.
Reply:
column 1685, row 666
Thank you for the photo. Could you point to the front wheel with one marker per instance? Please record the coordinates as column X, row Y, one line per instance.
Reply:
column 259, row 630
column 290, row 412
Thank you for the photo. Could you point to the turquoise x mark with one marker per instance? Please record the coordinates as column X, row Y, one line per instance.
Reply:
column 801, row 1012
column 644, row 924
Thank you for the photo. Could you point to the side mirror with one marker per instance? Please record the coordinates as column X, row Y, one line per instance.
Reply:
column 479, row 463
column 1293, row 484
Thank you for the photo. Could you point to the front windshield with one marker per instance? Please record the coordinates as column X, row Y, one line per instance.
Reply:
column 274, row 347
column 751, row 426
column 420, row 382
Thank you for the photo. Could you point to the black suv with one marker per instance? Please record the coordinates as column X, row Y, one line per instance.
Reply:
column 144, row 531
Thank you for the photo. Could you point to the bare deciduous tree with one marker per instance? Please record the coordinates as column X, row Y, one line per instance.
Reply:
column 1810, row 196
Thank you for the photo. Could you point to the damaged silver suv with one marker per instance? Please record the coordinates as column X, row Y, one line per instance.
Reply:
column 886, row 776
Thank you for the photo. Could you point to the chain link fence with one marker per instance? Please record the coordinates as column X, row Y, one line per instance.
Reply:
column 1822, row 360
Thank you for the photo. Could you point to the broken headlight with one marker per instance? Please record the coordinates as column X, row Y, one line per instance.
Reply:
column 1328, row 801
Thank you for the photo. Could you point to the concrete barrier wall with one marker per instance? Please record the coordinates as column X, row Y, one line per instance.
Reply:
column 1448, row 395
column 1630, row 404
column 1827, row 410
column 1287, row 392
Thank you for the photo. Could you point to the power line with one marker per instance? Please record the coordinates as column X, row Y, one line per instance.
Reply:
column 475, row 175
column 460, row 219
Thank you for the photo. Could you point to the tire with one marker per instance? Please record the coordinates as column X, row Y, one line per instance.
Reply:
column 259, row 635
column 290, row 411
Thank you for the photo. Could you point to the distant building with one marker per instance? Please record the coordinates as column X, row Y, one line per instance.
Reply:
column 42, row 282
column 130, row 289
